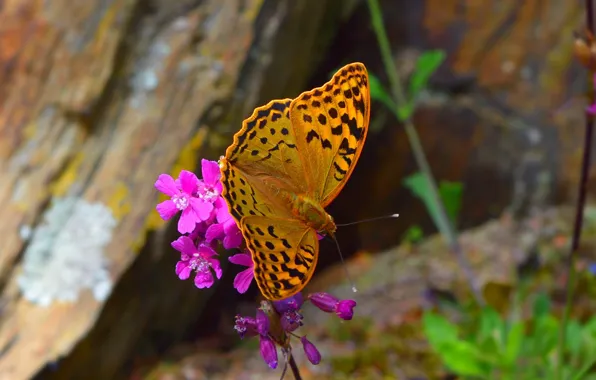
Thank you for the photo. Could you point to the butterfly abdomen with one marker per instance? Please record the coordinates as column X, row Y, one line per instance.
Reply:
column 310, row 212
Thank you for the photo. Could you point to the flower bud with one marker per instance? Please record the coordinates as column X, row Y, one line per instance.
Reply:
column 268, row 351
column 312, row 354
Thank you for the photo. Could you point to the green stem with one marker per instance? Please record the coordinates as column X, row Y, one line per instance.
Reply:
column 443, row 223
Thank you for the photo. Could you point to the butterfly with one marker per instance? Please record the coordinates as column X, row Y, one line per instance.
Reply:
column 289, row 160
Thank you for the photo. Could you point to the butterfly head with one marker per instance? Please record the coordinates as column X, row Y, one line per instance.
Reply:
column 329, row 227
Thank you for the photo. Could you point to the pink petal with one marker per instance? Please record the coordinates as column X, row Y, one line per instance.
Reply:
column 202, row 209
column 183, row 270
column 243, row 279
column 167, row 209
column 233, row 239
column 206, row 251
column 184, row 244
column 214, row 231
column 204, row 280
column 188, row 221
column 216, row 267
column 165, row 184
column 223, row 215
column 188, row 181
column 218, row 187
column 210, row 171
column 241, row 259
column 220, row 203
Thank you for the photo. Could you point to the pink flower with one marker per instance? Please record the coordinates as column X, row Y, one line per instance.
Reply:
column 225, row 229
column 210, row 187
column 182, row 193
column 199, row 259
column 243, row 279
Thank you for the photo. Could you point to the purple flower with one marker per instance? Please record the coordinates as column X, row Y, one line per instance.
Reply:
column 312, row 354
column 225, row 229
column 345, row 309
column 293, row 303
column 262, row 322
column 243, row 279
column 291, row 320
column 268, row 351
column 197, row 259
column 246, row 326
column 330, row 304
column 182, row 198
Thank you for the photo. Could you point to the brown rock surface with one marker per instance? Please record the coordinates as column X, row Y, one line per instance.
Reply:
column 98, row 98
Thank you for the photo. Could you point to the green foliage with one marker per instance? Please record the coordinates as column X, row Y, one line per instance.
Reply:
column 492, row 347
column 378, row 92
column 426, row 65
column 450, row 193
column 413, row 234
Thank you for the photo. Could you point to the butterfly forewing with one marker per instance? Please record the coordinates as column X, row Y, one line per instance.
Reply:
column 331, row 124
column 284, row 252
column 265, row 148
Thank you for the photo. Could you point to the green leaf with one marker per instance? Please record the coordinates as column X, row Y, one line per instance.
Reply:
column 377, row 92
column 450, row 193
column 405, row 111
column 438, row 330
column 426, row 65
column 545, row 335
column 492, row 326
column 463, row 358
column 573, row 337
column 418, row 185
column 541, row 305
column 413, row 234
column 513, row 342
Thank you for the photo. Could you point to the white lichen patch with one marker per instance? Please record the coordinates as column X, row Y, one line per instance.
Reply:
column 65, row 255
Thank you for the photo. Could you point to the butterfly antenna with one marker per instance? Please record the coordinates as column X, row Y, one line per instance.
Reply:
column 369, row 220
column 343, row 263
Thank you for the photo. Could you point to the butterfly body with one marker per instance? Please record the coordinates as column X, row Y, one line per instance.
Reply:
column 310, row 213
column 288, row 162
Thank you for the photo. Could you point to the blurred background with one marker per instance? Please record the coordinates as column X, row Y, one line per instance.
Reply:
column 99, row 97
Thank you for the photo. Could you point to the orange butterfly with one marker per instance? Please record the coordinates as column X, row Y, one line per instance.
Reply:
column 288, row 162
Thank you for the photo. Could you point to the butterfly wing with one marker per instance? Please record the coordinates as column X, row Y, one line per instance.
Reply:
column 284, row 252
column 262, row 160
column 330, row 127
column 264, row 153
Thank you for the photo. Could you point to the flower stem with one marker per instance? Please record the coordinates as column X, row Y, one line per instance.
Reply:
column 294, row 367
column 579, row 212
column 443, row 223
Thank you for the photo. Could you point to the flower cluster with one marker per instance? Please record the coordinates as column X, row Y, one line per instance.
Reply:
column 205, row 222
column 276, row 322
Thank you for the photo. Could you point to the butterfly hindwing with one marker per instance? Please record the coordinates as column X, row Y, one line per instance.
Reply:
column 330, row 125
column 284, row 252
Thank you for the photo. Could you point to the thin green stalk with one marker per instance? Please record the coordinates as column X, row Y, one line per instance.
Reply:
column 443, row 223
